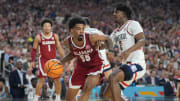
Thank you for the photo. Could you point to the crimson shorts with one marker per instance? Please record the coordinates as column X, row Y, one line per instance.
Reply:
column 42, row 62
column 81, row 72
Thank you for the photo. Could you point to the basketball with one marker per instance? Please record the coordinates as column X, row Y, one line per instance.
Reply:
column 53, row 68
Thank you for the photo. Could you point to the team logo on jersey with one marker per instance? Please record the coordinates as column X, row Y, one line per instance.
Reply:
column 88, row 47
column 52, row 38
column 117, row 30
column 133, row 68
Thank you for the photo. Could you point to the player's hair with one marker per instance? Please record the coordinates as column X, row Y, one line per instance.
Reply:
column 125, row 9
column 87, row 21
column 75, row 20
column 46, row 21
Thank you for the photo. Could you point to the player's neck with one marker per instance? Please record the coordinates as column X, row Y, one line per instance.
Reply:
column 122, row 22
column 47, row 33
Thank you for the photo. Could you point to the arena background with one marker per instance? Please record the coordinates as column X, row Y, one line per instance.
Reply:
column 160, row 19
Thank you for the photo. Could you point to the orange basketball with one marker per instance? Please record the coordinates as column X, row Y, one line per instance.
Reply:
column 53, row 68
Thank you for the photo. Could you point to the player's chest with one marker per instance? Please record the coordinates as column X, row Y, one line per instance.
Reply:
column 121, row 35
column 84, row 51
column 48, row 42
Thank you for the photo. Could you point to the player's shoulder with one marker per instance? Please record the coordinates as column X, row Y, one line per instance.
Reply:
column 38, row 37
column 56, row 35
column 133, row 22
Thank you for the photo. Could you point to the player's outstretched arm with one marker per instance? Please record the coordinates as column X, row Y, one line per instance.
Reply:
column 33, row 51
column 97, row 37
column 69, row 56
column 59, row 47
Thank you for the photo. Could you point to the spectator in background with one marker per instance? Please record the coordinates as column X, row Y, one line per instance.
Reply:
column 50, row 88
column 18, row 82
column 152, row 79
column 4, row 92
column 30, row 91
column 10, row 65
column 64, row 83
column 164, row 77
column 29, row 75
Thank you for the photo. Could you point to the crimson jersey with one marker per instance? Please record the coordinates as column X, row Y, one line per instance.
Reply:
column 87, row 55
column 47, row 46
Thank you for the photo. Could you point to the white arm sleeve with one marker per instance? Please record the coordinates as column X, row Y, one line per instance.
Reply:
column 93, row 31
column 134, row 28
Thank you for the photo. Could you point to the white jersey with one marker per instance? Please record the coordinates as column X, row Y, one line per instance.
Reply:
column 50, row 91
column 30, row 92
column 124, row 38
column 103, row 51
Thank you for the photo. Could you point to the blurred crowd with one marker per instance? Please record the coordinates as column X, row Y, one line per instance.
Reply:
column 20, row 22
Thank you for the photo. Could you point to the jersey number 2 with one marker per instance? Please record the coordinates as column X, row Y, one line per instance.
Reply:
column 85, row 58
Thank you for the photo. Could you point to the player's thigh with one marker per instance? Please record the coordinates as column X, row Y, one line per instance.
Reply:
column 107, row 73
column 117, row 76
column 71, row 94
column 91, row 82
column 41, row 80
column 57, row 80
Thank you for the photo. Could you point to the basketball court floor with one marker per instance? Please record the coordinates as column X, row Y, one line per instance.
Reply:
column 128, row 99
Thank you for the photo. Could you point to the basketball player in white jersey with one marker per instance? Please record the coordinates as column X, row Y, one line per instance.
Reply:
column 104, row 53
column 130, row 39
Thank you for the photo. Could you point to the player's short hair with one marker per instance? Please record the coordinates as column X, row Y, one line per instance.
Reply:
column 125, row 9
column 46, row 21
column 87, row 21
column 75, row 20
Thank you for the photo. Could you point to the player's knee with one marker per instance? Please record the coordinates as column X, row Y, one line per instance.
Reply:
column 116, row 77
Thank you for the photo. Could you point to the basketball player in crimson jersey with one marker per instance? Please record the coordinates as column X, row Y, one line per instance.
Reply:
column 89, row 65
column 47, row 42
column 105, row 55
column 130, row 39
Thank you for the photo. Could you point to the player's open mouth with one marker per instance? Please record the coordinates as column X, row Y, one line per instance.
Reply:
column 80, row 38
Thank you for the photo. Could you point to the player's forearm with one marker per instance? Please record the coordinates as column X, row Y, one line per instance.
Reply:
column 137, row 46
column 33, row 54
column 67, row 58
column 61, row 53
column 109, row 43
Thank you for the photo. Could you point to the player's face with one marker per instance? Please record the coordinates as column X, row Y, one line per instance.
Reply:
column 78, row 31
column 47, row 28
column 118, row 15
